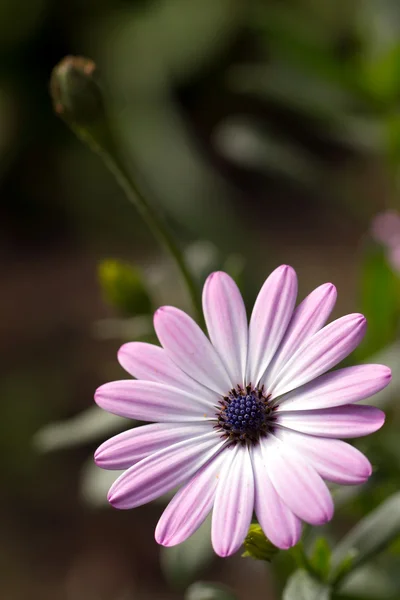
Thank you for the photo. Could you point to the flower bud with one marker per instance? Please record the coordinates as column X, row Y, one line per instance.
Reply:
column 123, row 287
column 78, row 99
column 257, row 545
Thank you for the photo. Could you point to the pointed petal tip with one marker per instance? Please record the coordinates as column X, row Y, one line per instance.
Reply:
column 380, row 418
column 329, row 288
column 98, row 456
column 225, row 552
column 113, row 499
column 386, row 373
column 98, row 395
column 123, row 351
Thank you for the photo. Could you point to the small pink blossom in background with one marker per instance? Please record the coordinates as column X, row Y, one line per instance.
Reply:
column 385, row 229
column 245, row 420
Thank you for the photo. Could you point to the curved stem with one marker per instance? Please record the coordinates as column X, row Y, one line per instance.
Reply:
column 155, row 223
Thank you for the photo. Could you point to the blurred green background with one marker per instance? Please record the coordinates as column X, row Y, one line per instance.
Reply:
column 267, row 132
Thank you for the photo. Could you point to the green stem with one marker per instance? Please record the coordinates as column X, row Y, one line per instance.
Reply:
column 301, row 558
column 155, row 223
column 78, row 100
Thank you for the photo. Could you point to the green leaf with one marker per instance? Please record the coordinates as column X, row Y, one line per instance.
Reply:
column 124, row 288
column 370, row 582
column 88, row 426
column 182, row 564
column 321, row 558
column 203, row 590
column 302, row 586
column 369, row 537
column 379, row 301
column 95, row 483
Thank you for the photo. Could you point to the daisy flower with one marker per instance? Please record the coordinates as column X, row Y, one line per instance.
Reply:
column 245, row 420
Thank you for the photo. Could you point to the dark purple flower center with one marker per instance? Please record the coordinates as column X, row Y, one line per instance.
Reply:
column 245, row 414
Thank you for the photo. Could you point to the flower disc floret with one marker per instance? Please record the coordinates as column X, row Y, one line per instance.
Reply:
column 245, row 414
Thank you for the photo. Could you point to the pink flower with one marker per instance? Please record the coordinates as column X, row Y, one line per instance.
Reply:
column 245, row 422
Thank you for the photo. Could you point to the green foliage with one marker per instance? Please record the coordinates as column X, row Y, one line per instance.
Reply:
column 202, row 590
column 124, row 288
column 88, row 426
column 181, row 564
column 380, row 301
column 369, row 537
column 257, row 545
column 302, row 586
column 321, row 558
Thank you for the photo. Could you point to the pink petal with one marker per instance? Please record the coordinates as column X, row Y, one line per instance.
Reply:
column 150, row 362
column 321, row 352
column 343, row 386
column 308, row 318
column 149, row 401
column 334, row 460
column 226, row 321
column 190, row 349
column 191, row 505
column 338, row 422
column 127, row 448
column 271, row 314
column 278, row 522
column 162, row 471
column 234, row 501
column 297, row 483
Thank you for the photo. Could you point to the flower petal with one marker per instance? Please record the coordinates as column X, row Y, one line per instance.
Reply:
column 150, row 362
column 190, row 349
column 343, row 386
column 271, row 314
column 127, row 448
column 308, row 318
column 321, row 352
column 334, row 460
column 338, row 422
column 190, row 505
column 297, row 483
column 150, row 401
column 278, row 522
column 233, row 505
column 162, row 471
column 226, row 320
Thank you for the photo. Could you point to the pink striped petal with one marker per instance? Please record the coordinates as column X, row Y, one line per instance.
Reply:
column 278, row 522
column 162, row 471
column 343, row 386
column 190, row 349
column 346, row 421
column 127, row 448
column 308, row 318
column 150, row 362
column 321, row 352
column 269, row 320
column 191, row 505
column 298, row 483
column 149, row 401
column 334, row 460
column 234, row 501
column 226, row 320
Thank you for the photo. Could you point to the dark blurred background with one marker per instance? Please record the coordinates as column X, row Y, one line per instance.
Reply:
column 267, row 132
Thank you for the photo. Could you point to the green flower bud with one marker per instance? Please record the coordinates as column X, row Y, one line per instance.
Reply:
column 257, row 545
column 203, row 590
column 123, row 287
column 78, row 100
